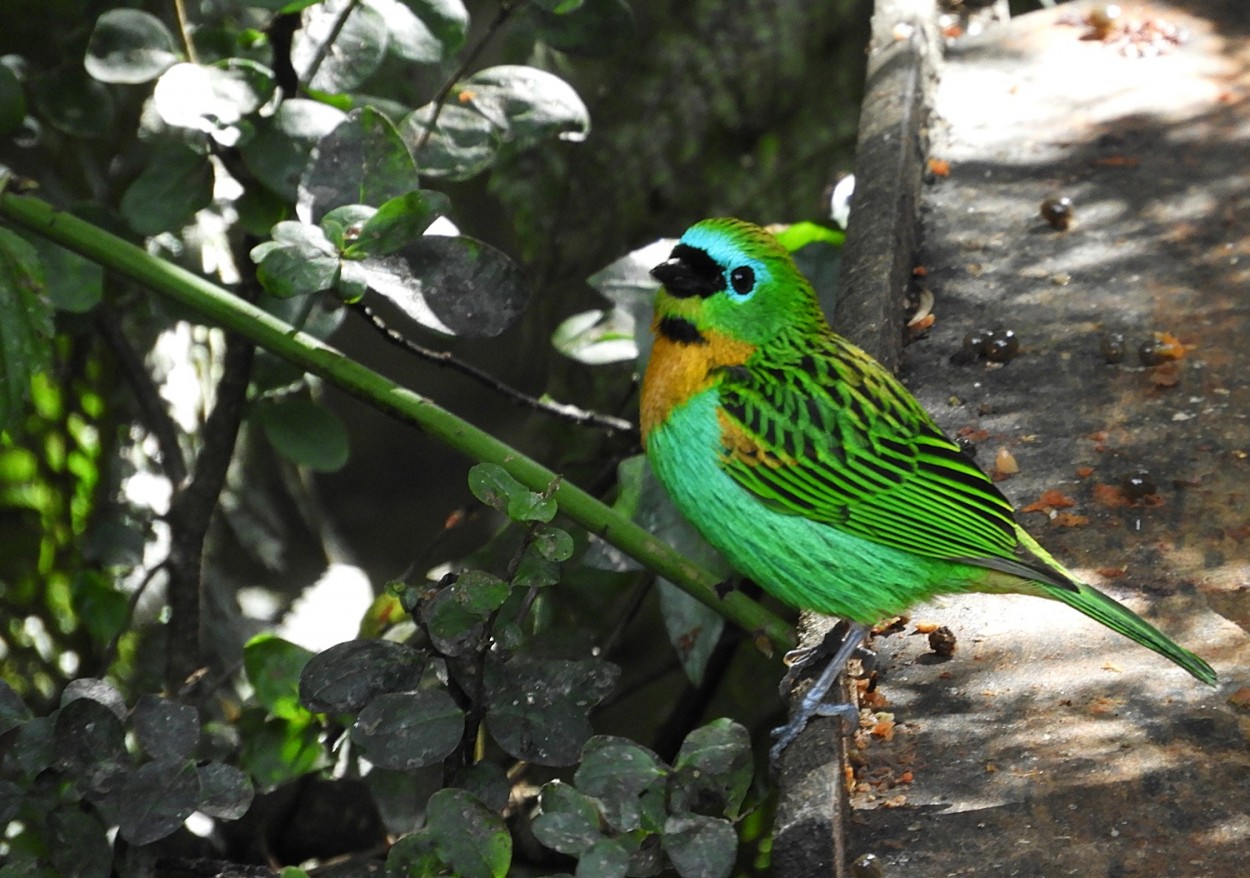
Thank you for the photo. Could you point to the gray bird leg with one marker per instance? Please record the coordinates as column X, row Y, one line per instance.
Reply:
column 813, row 701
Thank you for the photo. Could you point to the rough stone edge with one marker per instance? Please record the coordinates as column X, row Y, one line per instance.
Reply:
column 877, row 262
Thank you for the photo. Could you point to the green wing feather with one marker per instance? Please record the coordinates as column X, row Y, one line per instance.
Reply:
column 848, row 445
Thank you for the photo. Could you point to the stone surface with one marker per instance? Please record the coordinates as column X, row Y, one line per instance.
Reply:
column 1047, row 745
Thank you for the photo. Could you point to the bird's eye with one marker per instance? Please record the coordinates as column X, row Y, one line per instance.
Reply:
column 742, row 279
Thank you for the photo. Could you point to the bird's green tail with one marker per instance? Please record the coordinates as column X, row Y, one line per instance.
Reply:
column 1118, row 617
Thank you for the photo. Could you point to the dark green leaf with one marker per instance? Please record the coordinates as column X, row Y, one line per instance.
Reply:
column 225, row 791
column 693, row 629
column 457, row 285
column 353, row 282
column 593, row 28
column 298, row 261
column 606, row 858
column 397, row 222
column 164, row 728
column 700, row 847
column 536, row 708
column 11, row 797
column 532, row 506
column 75, row 103
column 463, row 142
column 527, row 104
column 25, row 324
column 13, row 711
column 99, row 691
column 277, row 750
column 455, row 614
column 176, row 182
column 156, row 799
column 714, row 770
column 488, row 782
column 406, row 730
column 401, row 795
column 535, row 571
column 273, row 668
column 358, row 45
column 343, row 224
column 568, row 820
column 90, row 743
column 78, row 846
column 414, row 856
column 494, row 485
column 617, row 771
column 101, row 607
column 553, row 544
column 305, row 433
column 34, row 747
column 470, row 838
column 129, row 46
column 362, row 161
column 559, row 7
column 12, row 102
column 278, row 151
column 346, row 677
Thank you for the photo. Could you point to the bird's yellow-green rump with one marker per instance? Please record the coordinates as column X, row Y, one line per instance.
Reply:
column 810, row 467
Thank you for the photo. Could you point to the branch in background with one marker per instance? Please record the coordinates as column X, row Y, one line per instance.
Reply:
column 191, row 512
column 216, row 305
column 180, row 12
column 152, row 410
column 570, row 413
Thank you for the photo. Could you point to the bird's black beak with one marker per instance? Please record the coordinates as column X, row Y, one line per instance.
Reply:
column 689, row 272
column 678, row 279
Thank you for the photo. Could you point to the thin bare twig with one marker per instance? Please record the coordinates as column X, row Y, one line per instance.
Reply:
column 324, row 48
column 567, row 412
column 184, row 31
column 506, row 8
column 152, row 409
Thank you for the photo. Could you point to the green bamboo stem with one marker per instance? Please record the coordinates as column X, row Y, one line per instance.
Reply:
column 220, row 307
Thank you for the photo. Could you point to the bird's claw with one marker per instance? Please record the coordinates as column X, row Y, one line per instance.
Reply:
column 813, row 701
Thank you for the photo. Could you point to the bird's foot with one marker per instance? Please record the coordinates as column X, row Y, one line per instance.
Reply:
column 801, row 658
column 813, row 703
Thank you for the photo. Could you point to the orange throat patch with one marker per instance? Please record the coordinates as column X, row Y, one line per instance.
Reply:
column 679, row 370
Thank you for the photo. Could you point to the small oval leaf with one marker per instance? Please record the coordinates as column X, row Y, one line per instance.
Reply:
column 129, row 46
column 346, row 677
column 457, row 285
column 165, row 729
column 469, row 837
column 355, row 45
column 700, row 847
column 225, row 792
column 156, row 799
column 406, row 730
column 362, row 161
column 306, row 433
column 273, row 668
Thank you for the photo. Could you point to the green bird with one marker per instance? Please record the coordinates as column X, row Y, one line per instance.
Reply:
column 812, row 469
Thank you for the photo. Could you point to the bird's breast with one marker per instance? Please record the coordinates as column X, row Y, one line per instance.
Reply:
column 680, row 369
